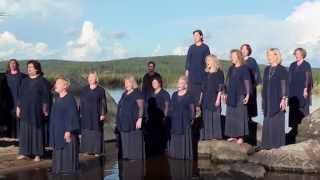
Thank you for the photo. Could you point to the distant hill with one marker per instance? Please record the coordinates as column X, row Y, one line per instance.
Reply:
column 112, row 72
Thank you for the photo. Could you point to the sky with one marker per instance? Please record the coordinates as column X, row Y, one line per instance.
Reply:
column 104, row 29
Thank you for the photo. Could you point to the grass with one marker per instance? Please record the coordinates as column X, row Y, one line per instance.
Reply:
column 111, row 73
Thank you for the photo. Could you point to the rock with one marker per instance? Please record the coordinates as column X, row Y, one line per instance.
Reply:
column 309, row 127
column 224, row 151
column 303, row 157
column 249, row 169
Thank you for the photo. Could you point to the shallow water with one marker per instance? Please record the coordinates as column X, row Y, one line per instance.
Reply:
column 109, row 168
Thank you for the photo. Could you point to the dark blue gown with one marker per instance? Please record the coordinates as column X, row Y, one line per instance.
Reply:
column 195, row 64
column 130, row 108
column 300, row 77
column 33, row 101
column 93, row 104
column 211, row 116
column 181, row 116
column 157, row 108
column 64, row 117
column 14, row 83
column 275, row 81
column 238, row 86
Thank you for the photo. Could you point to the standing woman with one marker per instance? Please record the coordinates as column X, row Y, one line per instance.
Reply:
column 274, row 101
column 237, row 97
column 32, row 109
column 13, row 78
column 64, row 130
column 300, row 86
column 93, row 111
column 157, row 116
column 210, row 100
column 255, row 76
column 129, row 121
column 182, row 115
column 195, row 64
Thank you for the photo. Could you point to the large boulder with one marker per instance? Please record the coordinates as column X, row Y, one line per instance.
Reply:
column 309, row 127
column 303, row 157
column 224, row 151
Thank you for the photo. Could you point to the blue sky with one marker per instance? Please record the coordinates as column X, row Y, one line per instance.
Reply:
column 102, row 30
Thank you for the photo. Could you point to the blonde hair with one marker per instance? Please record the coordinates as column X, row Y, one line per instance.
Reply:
column 213, row 58
column 63, row 78
column 277, row 53
column 239, row 55
column 185, row 79
column 133, row 80
column 94, row 73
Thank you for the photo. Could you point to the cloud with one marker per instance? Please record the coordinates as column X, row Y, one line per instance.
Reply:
column 180, row 50
column 42, row 8
column 156, row 51
column 11, row 47
column 300, row 29
column 88, row 45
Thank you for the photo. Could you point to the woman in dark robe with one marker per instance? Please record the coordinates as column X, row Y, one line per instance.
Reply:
column 93, row 111
column 13, row 78
column 255, row 76
column 32, row 109
column 210, row 100
column 274, row 101
column 237, row 97
column 64, row 129
column 182, row 115
column 129, row 121
column 195, row 64
column 300, row 88
column 157, row 108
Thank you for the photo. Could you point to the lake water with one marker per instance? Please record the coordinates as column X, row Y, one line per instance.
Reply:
column 162, row 168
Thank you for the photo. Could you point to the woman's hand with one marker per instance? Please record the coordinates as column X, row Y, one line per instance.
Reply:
column 103, row 117
column 283, row 104
column 139, row 123
column 305, row 93
column 67, row 137
column 18, row 111
column 246, row 99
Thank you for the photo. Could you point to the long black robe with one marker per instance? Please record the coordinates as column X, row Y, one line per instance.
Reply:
column 181, row 117
column 64, row 118
column 275, row 82
column 130, row 109
column 300, row 77
column 157, row 113
column 93, row 104
column 33, row 102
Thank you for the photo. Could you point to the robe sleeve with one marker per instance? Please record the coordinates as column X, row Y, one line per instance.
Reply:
column 103, row 104
column 309, row 79
column 246, row 81
column 167, row 105
column 221, row 85
column 256, row 74
column 284, row 83
column 45, row 97
column 140, row 103
column 188, row 59
column 72, row 117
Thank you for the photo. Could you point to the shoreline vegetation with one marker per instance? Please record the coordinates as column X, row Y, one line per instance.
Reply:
column 112, row 72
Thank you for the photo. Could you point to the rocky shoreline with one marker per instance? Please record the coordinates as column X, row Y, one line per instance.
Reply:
column 302, row 157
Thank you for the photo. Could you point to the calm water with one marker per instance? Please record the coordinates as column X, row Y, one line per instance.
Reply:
column 109, row 168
